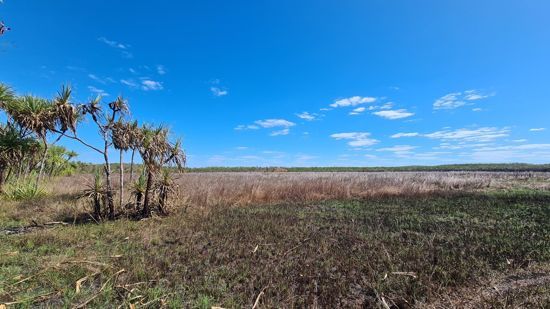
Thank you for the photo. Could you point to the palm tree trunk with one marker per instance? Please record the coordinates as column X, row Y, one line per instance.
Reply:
column 109, row 193
column 132, row 166
column 146, row 209
column 97, row 208
column 121, row 178
column 42, row 163
column 2, row 171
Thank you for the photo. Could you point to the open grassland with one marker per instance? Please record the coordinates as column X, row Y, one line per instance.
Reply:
column 291, row 240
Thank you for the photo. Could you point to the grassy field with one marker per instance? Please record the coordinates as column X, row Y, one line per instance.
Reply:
column 292, row 240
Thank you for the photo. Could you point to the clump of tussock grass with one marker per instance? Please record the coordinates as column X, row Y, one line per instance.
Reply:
column 24, row 190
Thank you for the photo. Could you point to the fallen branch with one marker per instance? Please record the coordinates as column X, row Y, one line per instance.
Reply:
column 84, row 304
column 257, row 302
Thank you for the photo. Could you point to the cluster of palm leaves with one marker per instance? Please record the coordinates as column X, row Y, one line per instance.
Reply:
column 33, row 121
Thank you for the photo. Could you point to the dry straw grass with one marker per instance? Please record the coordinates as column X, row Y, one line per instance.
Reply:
column 252, row 188
column 205, row 191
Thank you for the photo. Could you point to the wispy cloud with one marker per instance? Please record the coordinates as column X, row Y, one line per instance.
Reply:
column 98, row 91
column 537, row 129
column 161, row 70
column 307, row 116
column 458, row 99
column 470, row 135
column 123, row 48
column 148, row 85
column 102, row 80
column 113, row 44
column 280, row 132
column 272, row 123
column 352, row 101
column 464, row 135
column 356, row 139
column 282, row 125
column 218, row 92
column 410, row 134
column 216, row 89
column 394, row 114
column 129, row 82
column 242, row 127
column 399, row 150
column 357, row 111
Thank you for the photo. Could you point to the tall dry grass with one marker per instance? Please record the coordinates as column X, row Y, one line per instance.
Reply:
column 249, row 188
column 202, row 191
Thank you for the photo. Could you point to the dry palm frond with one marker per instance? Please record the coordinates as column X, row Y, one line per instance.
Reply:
column 67, row 114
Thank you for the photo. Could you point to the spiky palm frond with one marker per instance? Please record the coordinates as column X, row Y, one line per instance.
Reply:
column 13, row 146
column 95, row 190
column 139, row 186
column 33, row 113
column 6, row 94
column 67, row 113
column 119, row 105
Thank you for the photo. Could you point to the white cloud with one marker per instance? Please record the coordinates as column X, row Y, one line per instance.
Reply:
column 472, row 95
column 148, row 84
column 307, row 116
column 280, row 132
column 272, row 123
column 517, row 147
column 161, row 70
column 357, row 111
column 352, row 101
column 399, row 135
column 356, row 139
column 283, row 124
column 218, row 92
column 97, row 91
column 394, row 114
column 123, row 48
column 128, row 82
column 216, row 89
column 113, row 44
column 96, row 78
column 537, row 129
column 458, row 99
column 246, row 127
column 477, row 109
column 398, row 148
column 388, row 105
column 536, row 153
column 470, row 135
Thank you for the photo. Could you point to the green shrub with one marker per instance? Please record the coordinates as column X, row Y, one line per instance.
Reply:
column 23, row 190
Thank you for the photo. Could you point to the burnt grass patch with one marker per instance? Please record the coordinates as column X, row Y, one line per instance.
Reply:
column 399, row 252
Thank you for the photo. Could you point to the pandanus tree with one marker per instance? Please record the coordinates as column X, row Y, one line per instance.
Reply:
column 40, row 116
column 13, row 148
column 36, row 115
column 157, row 151
column 121, row 136
column 105, row 123
column 104, row 120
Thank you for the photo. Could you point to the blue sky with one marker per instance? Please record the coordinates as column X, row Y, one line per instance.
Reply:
column 301, row 83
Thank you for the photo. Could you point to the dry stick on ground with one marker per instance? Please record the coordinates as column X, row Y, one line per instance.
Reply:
column 84, row 304
column 79, row 282
column 32, row 299
column 257, row 302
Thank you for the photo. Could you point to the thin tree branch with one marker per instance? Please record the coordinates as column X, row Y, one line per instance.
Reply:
column 80, row 140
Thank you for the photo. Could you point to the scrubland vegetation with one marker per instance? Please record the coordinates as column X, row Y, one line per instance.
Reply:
column 272, row 240
column 156, row 235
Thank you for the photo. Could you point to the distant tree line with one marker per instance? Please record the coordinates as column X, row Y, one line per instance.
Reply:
column 34, row 125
